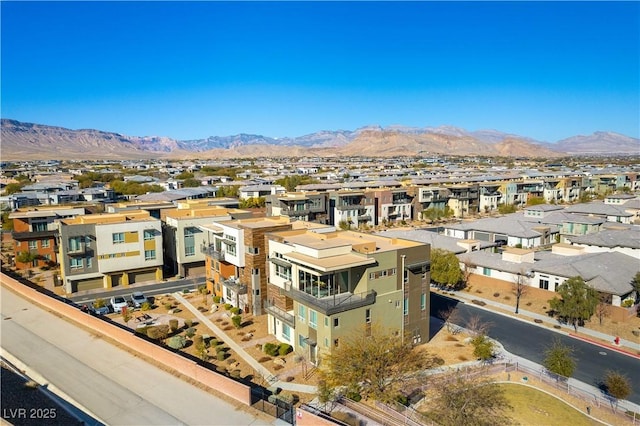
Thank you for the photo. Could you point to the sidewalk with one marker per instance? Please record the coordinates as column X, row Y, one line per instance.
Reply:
column 270, row 378
column 627, row 347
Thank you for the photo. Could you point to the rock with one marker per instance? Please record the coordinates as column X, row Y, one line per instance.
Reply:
column 279, row 361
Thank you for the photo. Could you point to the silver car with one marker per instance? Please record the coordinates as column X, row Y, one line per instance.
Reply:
column 137, row 298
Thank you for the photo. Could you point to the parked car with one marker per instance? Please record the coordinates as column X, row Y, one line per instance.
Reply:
column 100, row 307
column 117, row 303
column 138, row 298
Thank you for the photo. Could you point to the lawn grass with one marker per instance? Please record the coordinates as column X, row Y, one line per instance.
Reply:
column 532, row 407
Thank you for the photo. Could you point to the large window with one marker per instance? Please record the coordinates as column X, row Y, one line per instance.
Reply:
column 189, row 242
column 118, row 237
column 544, row 283
column 313, row 319
column 149, row 254
column 75, row 243
column 45, row 243
column 286, row 331
column 75, row 263
column 302, row 313
column 283, row 272
column 33, row 244
column 148, row 234
column 39, row 226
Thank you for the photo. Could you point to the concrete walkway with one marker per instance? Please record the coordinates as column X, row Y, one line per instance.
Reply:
column 626, row 346
column 259, row 368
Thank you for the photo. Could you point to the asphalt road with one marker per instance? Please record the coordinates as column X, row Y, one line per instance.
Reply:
column 530, row 341
column 117, row 387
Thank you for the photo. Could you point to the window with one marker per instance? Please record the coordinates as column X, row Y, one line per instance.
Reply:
column 302, row 313
column 486, row 271
column 45, row 243
column 423, row 302
column 39, row 226
column 302, row 341
column 189, row 242
column 47, row 257
column 118, row 237
column 406, row 306
column 75, row 243
column 336, row 322
column 75, row 263
column 148, row 234
column 544, row 284
column 326, row 321
column 283, row 272
column 326, row 342
column 149, row 254
column 372, row 275
column 367, row 316
column 255, row 271
column 231, row 249
column 336, row 342
column 286, row 331
column 33, row 244
column 89, row 261
column 313, row 319
column 253, row 250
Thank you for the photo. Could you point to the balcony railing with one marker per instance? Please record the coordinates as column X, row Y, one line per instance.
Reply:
column 331, row 305
column 281, row 314
column 212, row 252
column 235, row 285
column 21, row 236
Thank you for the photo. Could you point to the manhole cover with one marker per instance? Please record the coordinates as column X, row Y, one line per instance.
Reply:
column 602, row 353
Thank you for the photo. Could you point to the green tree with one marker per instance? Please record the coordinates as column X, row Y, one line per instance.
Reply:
column 483, row 347
column 559, row 359
column 7, row 224
column 26, row 257
column 252, row 202
column 185, row 175
column 375, row 364
column 635, row 282
column 133, row 188
column 534, row 201
column 577, row 301
column 290, row 182
column 13, row 187
column 228, row 191
column 507, row 208
column 617, row 385
column 190, row 183
column 457, row 400
column 445, row 268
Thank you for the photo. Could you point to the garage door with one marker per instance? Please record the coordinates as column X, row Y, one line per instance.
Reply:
column 90, row 284
column 139, row 277
column 116, row 280
column 194, row 270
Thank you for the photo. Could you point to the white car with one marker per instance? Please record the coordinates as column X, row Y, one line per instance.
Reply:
column 117, row 303
column 138, row 298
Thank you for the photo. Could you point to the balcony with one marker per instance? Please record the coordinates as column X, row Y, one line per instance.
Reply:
column 401, row 201
column 281, row 314
column 212, row 252
column 235, row 285
column 331, row 305
column 35, row 235
column 359, row 207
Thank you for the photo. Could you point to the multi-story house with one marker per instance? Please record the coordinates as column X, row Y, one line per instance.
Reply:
column 35, row 232
column 182, row 236
column 236, row 258
column 393, row 205
column 429, row 197
column 463, row 200
column 489, row 197
column 109, row 250
column 562, row 189
column 324, row 285
column 308, row 206
column 351, row 208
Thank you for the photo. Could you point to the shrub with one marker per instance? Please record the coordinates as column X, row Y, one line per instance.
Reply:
column 284, row 349
column 190, row 332
column 176, row 342
column 496, row 294
column 216, row 299
column 146, row 306
column 220, row 355
column 168, row 305
column 235, row 374
column 354, row 396
column 213, row 342
column 173, row 324
column 270, row 349
column 235, row 310
column 198, row 340
column 227, row 306
column 237, row 321
column 185, row 291
column 188, row 323
column 478, row 302
column 627, row 303
column 438, row 361
column 99, row 303
column 264, row 359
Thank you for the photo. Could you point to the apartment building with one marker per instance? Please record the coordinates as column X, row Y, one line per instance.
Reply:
column 393, row 205
column 35, row 232
column 236, row 258
column 325, row 285
column 109, row 250
column 182, row 236
column 351, row 208
column 310, row 206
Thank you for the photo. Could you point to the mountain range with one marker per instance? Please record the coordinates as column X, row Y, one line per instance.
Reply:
column 30, row 141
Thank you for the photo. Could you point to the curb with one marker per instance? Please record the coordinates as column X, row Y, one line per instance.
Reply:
column 604, row 345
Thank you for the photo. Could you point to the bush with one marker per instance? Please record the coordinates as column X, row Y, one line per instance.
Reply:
column 173, row 324
column 227, row 306
column 270, row 349
column 220, row 355
column 188, row 323
column 176, row 342
column 496, row 294
column 478, row 302
column 146, row 306
column 198, row 340
column 216, row 299
column 168, row 305
column 627, row 303
column 99, row 303
column 213, row 342
column 190, row 332
column 284, row 349
column 237, row 321
column 235, row 310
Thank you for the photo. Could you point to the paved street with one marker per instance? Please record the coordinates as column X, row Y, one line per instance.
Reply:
column 529, row 341
column 115, row 386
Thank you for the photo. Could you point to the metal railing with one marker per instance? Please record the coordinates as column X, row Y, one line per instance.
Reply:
column 280, row 313
column 331, row 305
column 212, row 252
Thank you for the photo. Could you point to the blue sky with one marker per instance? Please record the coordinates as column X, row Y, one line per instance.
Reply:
column 188, row 70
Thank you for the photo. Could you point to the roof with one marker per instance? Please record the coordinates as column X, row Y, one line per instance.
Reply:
column 599, row 208
column 432, row 238
column 515, row 225
column 629, row 238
